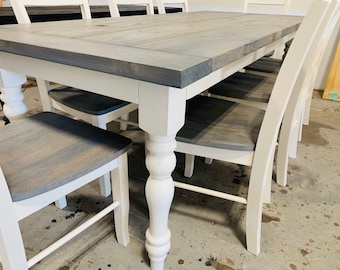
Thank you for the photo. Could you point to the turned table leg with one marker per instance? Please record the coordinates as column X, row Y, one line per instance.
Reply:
column 11, row 94
column 161, row 115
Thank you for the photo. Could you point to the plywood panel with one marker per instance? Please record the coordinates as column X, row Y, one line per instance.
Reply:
column 332, row 89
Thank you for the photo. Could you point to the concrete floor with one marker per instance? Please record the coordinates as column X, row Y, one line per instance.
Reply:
column 300, row 227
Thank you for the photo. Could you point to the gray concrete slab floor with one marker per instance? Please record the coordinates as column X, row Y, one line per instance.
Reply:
column 300, row 228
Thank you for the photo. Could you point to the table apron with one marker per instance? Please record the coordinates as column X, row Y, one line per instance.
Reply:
column 93, row 81
column 226, row 71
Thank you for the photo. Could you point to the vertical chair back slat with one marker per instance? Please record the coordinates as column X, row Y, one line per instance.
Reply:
column 22, row 16
column 161, row 4
column 114, row 9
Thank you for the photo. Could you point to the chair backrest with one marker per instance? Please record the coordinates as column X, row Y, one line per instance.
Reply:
column 298, row 100
column 114, row 10
column 173, row 3
column 292, row 74
column 19, row 7
column 282, row 4
column 7, row 224
column 30, row 182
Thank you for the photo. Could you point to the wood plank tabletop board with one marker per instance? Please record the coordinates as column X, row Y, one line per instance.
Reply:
column 173, row 49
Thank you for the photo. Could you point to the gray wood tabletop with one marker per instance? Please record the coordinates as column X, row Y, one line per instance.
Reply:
column 173, row 49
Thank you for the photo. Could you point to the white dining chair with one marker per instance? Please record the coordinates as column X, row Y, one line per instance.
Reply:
column 255, row 90
column 291, row 129
column 46, row 156
column 114, row 6
column 245, row 135
column 90, row 107
column 268, row 65
column 162, row 4
column 259, row 5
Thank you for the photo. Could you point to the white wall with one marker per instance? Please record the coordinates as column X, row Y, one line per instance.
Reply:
column 298, row 7
column 6, row 3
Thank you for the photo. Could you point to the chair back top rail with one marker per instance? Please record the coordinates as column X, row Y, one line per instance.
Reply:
column 282, row 3
column 161, row 4
column 21, row 14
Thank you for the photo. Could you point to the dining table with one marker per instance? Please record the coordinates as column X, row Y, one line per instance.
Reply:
column 155, row 61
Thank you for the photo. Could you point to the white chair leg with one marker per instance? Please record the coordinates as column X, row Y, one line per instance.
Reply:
column 124, row 126
column 12, row 251
column 306, row 110
column 293, row 138
column 208, row 161
column 44, row 87
column 268, row 184
column 46, row 101
column 61, row 203
column 288, row 139
column 253, row 221
column 104, row 181
column 258, row 187
column 189, row 165
column 105, row 186
column 120, row 192
column 282, row 164
column 283, row 153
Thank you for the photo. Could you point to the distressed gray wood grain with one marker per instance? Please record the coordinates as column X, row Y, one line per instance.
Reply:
column 38, row 153
column 173, row 49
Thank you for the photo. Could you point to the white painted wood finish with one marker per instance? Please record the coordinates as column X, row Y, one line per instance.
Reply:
column 282, row 4
column 266, row 6
column 212, row 139
column 157, row 62
column 114, row 8
column 291, row 130
column 11, row 93
column 19, row 7
column 162, row 4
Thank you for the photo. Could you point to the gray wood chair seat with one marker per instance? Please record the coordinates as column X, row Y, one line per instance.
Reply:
column 85, row 101
column 245, row 86
column 265, row 65
column 222, row 124
column 47, row 150
column 47, row 156
column 236, row 133
column 110, row 109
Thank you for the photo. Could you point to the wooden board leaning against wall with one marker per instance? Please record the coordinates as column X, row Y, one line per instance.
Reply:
column 332, row 88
